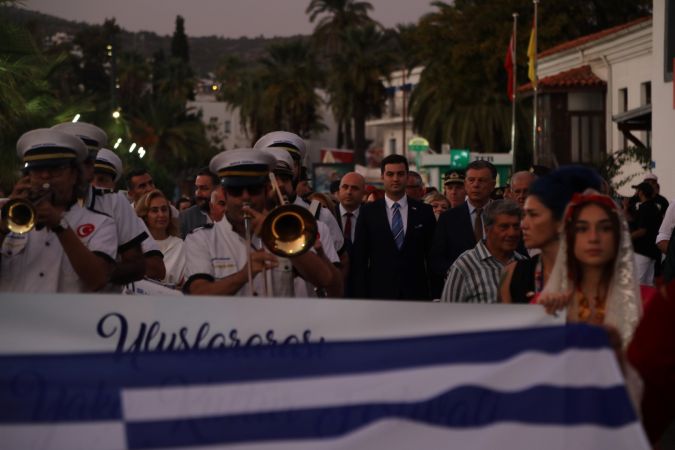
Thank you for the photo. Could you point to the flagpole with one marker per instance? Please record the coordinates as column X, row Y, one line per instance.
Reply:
column 535, row 85
column 514, row 96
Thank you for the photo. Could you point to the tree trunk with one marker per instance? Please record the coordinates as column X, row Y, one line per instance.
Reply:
column 340, row 135
column 349, row 140
column 360, row 136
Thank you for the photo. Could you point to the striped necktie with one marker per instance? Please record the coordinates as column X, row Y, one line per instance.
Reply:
column 397, row 226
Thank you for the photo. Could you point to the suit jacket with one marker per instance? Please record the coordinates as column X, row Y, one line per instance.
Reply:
column 378, row 268
column 191, row 218
column 453, row 236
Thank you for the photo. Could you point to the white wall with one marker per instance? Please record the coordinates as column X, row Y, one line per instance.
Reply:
column 663, row 111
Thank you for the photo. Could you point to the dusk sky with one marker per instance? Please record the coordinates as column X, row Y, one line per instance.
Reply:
column 228, row 18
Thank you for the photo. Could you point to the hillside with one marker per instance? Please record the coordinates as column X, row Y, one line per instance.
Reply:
column 205, row 52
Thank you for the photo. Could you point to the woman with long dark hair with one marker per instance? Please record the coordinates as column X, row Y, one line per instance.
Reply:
column 594, row 274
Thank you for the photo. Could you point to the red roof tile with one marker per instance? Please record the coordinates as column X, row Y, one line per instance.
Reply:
column 579, row 77
column 591, row 37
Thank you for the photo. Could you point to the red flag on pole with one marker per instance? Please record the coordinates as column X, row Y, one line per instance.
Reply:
column 508, row 65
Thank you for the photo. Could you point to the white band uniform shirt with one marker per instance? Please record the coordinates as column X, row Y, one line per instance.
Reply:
column 474, row 277
column 334, row 237
column 216, row 251
column 130, row 228
column 36, row 261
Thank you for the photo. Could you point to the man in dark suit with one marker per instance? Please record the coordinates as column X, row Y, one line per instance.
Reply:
column 392, row 242
column 461, row 227
column 350, row 196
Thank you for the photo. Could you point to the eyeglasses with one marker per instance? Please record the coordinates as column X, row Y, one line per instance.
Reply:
column 238, row 191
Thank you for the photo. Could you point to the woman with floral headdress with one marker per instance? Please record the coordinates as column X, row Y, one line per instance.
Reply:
column 594, row 274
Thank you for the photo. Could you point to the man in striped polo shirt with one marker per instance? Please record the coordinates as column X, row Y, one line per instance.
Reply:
column 474, row 276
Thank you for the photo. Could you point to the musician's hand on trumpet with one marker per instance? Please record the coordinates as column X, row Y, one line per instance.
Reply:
column 21, row 189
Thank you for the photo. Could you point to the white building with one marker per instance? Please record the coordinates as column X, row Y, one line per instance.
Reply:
column 663, row 96
column 393, row 130
column 603, row 92
column 224, row 124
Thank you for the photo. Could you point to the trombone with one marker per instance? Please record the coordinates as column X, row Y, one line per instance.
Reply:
column 288, row 230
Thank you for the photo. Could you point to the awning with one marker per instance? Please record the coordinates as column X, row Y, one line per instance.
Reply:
column 637, row 119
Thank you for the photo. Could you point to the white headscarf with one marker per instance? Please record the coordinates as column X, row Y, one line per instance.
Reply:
column 623, row 306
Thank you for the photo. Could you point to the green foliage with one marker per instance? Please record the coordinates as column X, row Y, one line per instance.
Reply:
column 612, row 167
column 179, row 42
column 461, row 97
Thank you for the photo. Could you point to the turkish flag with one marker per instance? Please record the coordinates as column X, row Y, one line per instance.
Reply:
column 508, row 65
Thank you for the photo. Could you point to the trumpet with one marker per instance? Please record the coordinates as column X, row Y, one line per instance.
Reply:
column 19, row 215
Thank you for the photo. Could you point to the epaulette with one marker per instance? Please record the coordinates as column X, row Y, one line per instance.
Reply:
column 207, row 226
column 103, row 191
column 99, row 212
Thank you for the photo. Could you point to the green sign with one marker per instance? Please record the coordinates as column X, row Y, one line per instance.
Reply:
column 418, row 144
column 459, row 159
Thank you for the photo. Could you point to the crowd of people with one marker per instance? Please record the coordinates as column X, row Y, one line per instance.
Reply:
column 558, row 238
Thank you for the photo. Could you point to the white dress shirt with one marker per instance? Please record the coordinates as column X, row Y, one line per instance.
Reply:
column 403, row 203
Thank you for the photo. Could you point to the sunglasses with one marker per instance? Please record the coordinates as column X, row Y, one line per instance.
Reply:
column 238, row 191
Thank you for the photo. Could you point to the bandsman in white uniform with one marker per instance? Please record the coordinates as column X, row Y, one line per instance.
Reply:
column 283, row 173
column 217, row 254
column 72, row 249
column 139, row 254
column 295, row 146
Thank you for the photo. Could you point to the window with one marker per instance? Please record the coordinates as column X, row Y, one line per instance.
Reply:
column 586, row 132
column 623, row 100
column 646, row 93
column 227, row 126
column 392, row 146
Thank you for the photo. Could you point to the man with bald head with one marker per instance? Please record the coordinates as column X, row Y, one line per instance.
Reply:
column 350, row 197
column 520, row 186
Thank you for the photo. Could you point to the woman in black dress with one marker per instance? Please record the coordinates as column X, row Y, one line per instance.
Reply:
column 543, row 212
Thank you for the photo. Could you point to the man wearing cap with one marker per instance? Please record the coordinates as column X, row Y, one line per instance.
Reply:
column 661, row 202
column 217, row 254
column 453, row 188
column 644, row 232
column 283, row 174
column 71, row 249
column 138, row 252
column 107, row 170
column 295, row 146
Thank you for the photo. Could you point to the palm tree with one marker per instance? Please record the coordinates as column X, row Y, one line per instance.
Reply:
column 337, row 16
column 291, row 78
column 357, row 88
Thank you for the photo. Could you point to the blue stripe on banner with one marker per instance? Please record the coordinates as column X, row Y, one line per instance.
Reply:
column 85, row 386
column 463, row 407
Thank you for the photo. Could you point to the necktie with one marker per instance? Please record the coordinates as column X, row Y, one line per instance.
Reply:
column 397, row 226
column 478, row 225
column 348, row 227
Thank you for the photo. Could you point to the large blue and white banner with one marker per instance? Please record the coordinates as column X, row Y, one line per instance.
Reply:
column 115, row 372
